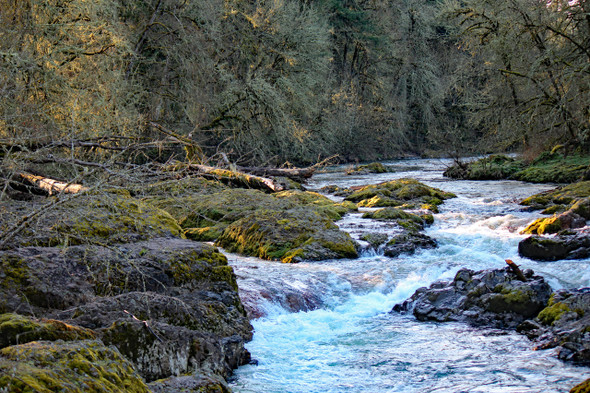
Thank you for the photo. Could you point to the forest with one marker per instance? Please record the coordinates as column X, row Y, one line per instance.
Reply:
column 111, row 83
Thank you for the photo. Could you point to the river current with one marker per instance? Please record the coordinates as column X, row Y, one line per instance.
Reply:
column 346, row 340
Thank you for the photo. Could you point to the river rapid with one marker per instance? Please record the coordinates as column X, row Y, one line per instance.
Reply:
column 345, row 339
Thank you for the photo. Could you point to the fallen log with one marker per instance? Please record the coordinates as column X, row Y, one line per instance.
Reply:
column 226, row 176
column 47, row 185
column 297, row 174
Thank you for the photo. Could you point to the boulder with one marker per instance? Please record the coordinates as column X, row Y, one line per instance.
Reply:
column 407, row 193
column 565, row 324
column 169, row 305
column 494, row 298
column 567, row 246
column 407, row 243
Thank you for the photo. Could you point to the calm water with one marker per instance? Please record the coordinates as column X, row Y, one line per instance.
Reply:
column 347, row 341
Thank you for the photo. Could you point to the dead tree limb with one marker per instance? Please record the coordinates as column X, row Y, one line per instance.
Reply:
column 50, row 186
column 516, row 270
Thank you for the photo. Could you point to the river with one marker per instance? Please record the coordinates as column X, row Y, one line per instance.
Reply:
column 345, row 339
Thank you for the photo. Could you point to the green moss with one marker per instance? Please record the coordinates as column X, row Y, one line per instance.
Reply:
column 374, row 167
column 206, row 234
column 552, row 312
column 19, row 329
column 397, row 193
column 81, row 366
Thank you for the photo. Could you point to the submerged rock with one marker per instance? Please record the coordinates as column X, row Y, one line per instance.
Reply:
column 495, row 298
column 565, row 324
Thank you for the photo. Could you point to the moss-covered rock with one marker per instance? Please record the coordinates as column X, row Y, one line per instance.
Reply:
column 406, row 193
column 409, row 221
column 374, row 167
column 566, row 197
column 185, row 291
column 493, row 167
column 19, row 329
column 583, row 387
column 105, row 218
column 565, row 324
column 80, row 366
column 496, row 298
column 549, row 167
column 290, row 236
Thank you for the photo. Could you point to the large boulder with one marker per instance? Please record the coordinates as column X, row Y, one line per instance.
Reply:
column 566, row 246
column 169, row 305
column 565, row 324
column 495, row 298
column 407, row 193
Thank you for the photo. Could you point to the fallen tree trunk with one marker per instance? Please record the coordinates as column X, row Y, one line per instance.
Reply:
column 47, row 185
column 297, row 174
column 230, row 177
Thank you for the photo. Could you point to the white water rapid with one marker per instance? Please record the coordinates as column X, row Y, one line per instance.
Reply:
column 345, row 339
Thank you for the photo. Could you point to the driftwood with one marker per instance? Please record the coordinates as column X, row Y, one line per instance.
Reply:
column 516, row 270
column 47, row 185
column 297, row 174
column 230, row 177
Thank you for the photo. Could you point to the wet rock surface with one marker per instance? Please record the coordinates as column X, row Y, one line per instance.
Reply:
column 494, row 298
column 565, row 324
column 564, row 246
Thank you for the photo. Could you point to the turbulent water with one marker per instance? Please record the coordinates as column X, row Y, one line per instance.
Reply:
column 346, row 340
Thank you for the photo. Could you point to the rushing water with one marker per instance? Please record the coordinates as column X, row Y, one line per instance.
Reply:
column 347, row 341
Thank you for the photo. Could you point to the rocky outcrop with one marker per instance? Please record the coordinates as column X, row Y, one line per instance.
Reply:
column 289, row 226
column 169, row 305
column 564, row 246
column 406, row 193
column 565, row 324
column 570, row 209
column 495, row 298
column 69, row 367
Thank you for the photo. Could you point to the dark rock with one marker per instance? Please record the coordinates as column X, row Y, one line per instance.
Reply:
column 169, row 305
column 408, row 242
column 495, row 298
column 572, row 246
column 564, row 323
column 193, row 383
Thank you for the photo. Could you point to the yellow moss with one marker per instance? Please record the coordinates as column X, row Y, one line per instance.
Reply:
column 81, row 366
column 19, row 329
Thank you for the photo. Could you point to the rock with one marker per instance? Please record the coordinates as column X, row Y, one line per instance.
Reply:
column 290, row 236
column 108, row 218
column 407, row 193
column 374, row 167
column 564, row 323
column 559, row 222
column 193, row 383
column 407, row 243
column 18, row 329
column 169, row 305
column 583, row 387
column 494, row 298
column 572, row 246
column 70, row 367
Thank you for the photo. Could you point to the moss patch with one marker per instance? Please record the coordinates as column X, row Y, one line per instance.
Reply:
column 406, row 193
column 19, row 329
column 82, row 366
column 552, row 312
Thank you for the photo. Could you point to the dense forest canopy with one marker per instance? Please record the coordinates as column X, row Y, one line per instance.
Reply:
column 272, row 81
